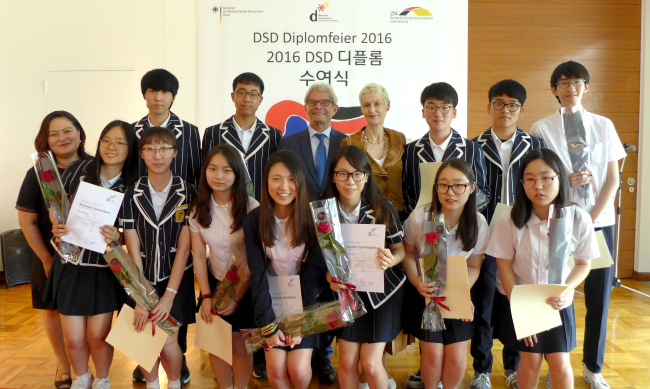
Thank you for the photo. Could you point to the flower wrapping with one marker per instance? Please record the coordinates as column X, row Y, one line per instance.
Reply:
column 315, row 319
column 135, row 285
column 330, row 239
column 433, row 269
column 227, row 288
column 579, row 149
column 56, row 200
column 561, row 222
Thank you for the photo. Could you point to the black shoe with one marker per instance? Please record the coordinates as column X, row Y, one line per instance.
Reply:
column 138, row 377
column 324, row 369
column 185, row 372
column 259, row 370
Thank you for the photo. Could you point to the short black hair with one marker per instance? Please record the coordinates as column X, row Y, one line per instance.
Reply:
column 569, row 69
column 248, row 78
column 159, row 79
column 510, row 88
column 440, row 91
column 157, row 135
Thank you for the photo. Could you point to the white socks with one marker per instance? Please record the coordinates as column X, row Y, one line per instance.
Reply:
column 153, row 385
column 174, row 384
column 101, row 382
column 85, row 378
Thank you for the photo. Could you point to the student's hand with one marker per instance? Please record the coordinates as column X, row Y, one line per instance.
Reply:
column 334, row 286
column 579, row 178
column 557, row 302
column 140, row 319
column 293, row 341
column 206, row 307
column 385, row 258
column 110, row 233
column 230, row 309
column 276, row 340
column 426, row 289
column 161, row 311
column 530, row 340
column 59, row 230
column 472, row 319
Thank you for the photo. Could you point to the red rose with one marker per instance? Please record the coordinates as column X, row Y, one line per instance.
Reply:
column 116, row 267
column 231, row 276
column 332, row 319
column 325, row 227
column 47, row 176
column 433, row 237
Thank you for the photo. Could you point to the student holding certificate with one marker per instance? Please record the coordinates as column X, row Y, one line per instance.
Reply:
column 158, row 239
column 350, row 181
column 86, row 294
column 281, row 241
column 444, row 353
column 217, row 220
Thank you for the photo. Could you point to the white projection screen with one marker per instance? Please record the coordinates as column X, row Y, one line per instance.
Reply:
column 291, row 44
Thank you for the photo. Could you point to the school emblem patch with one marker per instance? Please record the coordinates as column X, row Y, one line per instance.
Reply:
column 179, row 216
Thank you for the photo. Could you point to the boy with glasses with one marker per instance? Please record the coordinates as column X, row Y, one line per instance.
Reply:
column 504, row 144
column 569, row 83
column 244, row 131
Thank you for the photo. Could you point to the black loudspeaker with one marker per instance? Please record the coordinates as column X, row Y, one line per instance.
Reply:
column 16, row 258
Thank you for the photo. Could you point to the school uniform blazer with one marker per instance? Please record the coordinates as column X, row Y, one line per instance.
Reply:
column 420, row 151
column 263, row 143
column 187, row 164
column 158, row 237
column 300, row 144
column 312, row 275
column 394, row 276
column 72, row 177
column 523, row 143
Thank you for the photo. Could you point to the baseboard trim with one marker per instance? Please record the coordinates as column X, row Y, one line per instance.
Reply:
column 641, row 276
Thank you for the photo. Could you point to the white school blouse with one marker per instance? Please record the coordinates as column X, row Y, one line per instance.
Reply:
column 285, row 260
column 414, row 233
column 528, row 248
column 222, row 243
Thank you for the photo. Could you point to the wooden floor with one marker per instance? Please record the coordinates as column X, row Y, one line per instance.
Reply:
column 26, row 360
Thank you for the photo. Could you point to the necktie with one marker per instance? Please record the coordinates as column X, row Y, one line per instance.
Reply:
column 321, row 158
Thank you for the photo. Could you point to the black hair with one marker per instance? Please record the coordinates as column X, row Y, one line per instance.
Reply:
column 248, row 78
column 159, row 80
column 43, row 135
column 522, row 209
column 569, row 69
column 130, row 171
column 467, row 229
column 359, row 160
column 440, row 91
column 510, row 88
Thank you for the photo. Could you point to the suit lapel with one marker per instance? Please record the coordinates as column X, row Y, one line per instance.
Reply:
column 175, row 125
column 366, row 214
column 174, row 198
column 141, row 125
column 455, row 148
column 229, row 134
column 260, row 138
column 142, row 199
column 307, row 155
column 424, row 150
column 520, row 147
column 489, row 148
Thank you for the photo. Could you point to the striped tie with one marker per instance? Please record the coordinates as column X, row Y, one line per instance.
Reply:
column 321, row 158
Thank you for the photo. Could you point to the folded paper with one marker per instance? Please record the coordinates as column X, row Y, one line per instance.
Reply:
column 531, row 314
column 428, row 172
column 215, row 338
column 456, row 292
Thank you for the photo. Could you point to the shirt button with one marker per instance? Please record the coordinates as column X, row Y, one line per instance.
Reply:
column 385, row 194
column 498, row 197
column 161, row 243
column 499, row 174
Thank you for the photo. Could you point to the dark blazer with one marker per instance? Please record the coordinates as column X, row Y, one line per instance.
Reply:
column 300, row 144
column 420, row 151
column 523, row 143
column 187, row 164
column 312, row 275
column 264, row 143
column 158, row 237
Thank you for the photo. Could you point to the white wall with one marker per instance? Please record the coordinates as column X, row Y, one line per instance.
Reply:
column 40, row 36
column 642, row 251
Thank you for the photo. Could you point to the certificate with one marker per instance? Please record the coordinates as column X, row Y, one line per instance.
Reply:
column 531, row 314
column 92, row 208
column 215, row 338
column 428, row 171
column 501, row 208
column 285, row 293
column 362, row 241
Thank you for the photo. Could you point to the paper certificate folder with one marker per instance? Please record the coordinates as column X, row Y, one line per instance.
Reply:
column 139, row 346
column 456, row 291
column 501, row 208
column 215, row 338
column 605, row 259
column 531, row 314
column 361, row 241
column 427, row 177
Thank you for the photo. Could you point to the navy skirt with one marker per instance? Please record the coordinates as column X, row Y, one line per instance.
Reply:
column 242, row 318
column 39, row 284
column 309, row 341
column 561, row 339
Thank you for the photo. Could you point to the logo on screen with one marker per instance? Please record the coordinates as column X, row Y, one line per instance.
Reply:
column 319, row 14
column 289, row 116
column 410, row 13
column 415, row 11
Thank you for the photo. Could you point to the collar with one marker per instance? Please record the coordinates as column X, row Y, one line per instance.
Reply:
column 112, row 181
column 355, row 212
column 238, row 128
column 498, row 141
column 165, row 123
column 534, row 220
column 280, row 221
column 217, row 205
column 165, row 191
column 444, row 144
column 313, row 132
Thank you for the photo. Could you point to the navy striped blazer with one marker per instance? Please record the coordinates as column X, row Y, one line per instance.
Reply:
column 187, row 164
column 264, row 143
column 523, row 143
column 420, row 151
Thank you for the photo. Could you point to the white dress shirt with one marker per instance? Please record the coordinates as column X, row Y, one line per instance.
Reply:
column 158, row 198
column 352, row 217
column 439, row 150
column 528, row 248
column 285, row 260
column 505, row 152
column 108, row 183
column 245, row 136
column 222, row 241
column 315, row 141
column 164, row 124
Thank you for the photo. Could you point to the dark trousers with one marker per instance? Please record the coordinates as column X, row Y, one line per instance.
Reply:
column 182, row 338
column 483, row 298
column 598, row 288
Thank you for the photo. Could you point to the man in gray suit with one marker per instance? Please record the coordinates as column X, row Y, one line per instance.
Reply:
column 316, row 144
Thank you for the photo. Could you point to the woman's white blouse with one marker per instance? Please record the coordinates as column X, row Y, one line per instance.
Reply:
column 528, row 248
column 285, row 260
column 222, row 243
column 414, row 233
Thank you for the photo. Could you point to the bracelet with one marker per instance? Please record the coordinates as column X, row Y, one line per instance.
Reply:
column 174, row 291
column 204, row 296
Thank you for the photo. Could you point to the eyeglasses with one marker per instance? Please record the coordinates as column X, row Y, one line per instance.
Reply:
column 512, row 107
column 150, row 151
column 343, row 176
column 105, row 143
column 531, row 182
column 243, row 93
column 324, row 102
column 442, row 108
column 456, row 188
column 564, row 83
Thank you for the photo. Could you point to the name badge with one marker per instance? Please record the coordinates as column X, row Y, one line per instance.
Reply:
column 286, row 298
